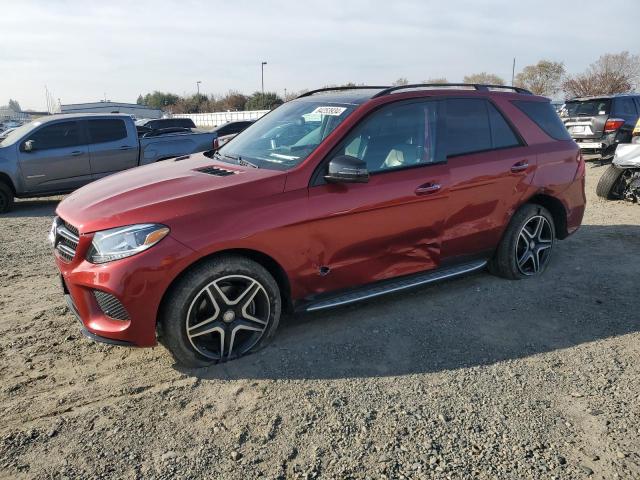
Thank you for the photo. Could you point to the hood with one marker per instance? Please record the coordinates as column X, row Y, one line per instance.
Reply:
column 165, row 191
column 627, row 155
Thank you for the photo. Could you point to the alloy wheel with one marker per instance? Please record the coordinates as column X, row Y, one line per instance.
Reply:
column 533, row 247
column 228, row 317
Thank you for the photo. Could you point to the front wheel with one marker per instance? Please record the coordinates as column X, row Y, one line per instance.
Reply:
column 525, row 248
column 223, row 309
column 610, row 183
column 6, row 197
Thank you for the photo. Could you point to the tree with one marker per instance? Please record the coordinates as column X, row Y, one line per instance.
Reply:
column 233, row 101
column 611, row 73
column 400, row 82
column 159, row 100
column 484, row 78
column 543, row 78
column 140, row 100
column 266, row 101
column 14, row 105
column 436, row 80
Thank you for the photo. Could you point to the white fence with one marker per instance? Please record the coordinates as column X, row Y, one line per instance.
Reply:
column 214, row 119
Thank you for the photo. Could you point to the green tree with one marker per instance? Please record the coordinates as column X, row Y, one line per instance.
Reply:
column 543, row 78
column 160, row 100
column 232, row 101
column 140, row 100
column 14, row 105
column 484, row 78
column 266, row 101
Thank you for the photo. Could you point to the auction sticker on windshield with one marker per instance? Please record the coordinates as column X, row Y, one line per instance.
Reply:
column 334, row 111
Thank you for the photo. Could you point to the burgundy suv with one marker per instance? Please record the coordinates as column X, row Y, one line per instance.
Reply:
column 338, row 196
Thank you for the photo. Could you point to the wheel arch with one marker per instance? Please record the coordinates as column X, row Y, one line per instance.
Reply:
column 261, row 258
column 4, row 178
column 557, row 211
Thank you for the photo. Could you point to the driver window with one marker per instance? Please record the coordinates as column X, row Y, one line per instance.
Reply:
column 397, row 136
column 58, row 135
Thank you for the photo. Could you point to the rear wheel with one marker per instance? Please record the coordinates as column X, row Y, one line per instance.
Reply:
column 609, row 183
column 6, row 197
column 223, row 309
column 525, row 248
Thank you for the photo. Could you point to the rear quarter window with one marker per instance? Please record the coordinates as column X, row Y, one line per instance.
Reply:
column 102, row 131
column 544, row 115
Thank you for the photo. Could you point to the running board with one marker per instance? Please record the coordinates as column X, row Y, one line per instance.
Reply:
column 396, row 285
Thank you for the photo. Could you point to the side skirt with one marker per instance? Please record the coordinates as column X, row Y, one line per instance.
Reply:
column 389, row 286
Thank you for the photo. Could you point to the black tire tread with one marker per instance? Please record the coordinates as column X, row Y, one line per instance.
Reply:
column 7, row 193
column 607, row 181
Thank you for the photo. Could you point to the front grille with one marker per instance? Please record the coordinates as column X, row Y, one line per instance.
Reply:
column 110, row 305
column 218, row 172
column 66, row 240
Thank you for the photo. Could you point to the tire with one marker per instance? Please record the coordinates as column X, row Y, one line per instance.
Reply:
column 223, row 309
column 608, row 181
column 6, row 198
column 525, row 251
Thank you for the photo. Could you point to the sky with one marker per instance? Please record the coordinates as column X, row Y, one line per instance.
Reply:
column 85, row 50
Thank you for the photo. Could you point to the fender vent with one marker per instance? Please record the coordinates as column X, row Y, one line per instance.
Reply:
column 216, row 171
column 110, row 305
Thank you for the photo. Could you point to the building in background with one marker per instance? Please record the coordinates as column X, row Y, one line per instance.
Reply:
column 138, row 111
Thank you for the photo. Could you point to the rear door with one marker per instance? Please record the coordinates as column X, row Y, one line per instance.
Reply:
column 490, row 170
column 59, row 160
column 113, row 147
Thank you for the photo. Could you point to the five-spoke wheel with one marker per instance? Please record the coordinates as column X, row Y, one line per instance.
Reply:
column 534, row 244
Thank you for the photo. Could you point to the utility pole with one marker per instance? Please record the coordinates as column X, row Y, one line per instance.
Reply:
column 513, row 71
column 198, row 87
column 262, row 71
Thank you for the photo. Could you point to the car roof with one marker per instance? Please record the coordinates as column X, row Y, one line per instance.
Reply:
column 602, row 97
column 79, row 116
column 361, row 94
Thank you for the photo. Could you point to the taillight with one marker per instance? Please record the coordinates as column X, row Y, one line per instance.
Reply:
column 613, row 124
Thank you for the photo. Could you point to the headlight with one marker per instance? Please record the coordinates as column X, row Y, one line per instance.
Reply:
column 121, row 242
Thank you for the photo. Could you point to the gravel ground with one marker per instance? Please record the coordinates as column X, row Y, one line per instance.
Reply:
column 473, row 378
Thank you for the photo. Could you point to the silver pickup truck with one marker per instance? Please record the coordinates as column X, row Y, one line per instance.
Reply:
column 61, row 153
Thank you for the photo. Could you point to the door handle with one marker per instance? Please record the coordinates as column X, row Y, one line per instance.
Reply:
column 77, row 153
column 427, row 188
column 520, row 166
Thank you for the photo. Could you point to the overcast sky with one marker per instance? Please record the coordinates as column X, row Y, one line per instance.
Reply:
column 82, row 50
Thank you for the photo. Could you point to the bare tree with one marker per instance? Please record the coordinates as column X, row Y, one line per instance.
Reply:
column 611, row 73
column 436, row 80
column 543, row 78
column 484, row 78
column 400, row 82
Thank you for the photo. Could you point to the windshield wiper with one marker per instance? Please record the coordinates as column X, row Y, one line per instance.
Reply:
column 246, row 163
column 239, row 160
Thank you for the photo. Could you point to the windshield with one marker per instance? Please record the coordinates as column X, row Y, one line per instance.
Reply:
column 16, row 134
column 288, row 135
column 588, row 108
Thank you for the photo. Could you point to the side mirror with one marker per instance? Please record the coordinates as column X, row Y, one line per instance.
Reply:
column 29, row 146
column 347, row 169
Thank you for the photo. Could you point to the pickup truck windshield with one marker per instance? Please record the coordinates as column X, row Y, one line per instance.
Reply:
column 286, row 136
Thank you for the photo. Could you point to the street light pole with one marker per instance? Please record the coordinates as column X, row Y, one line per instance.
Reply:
column 262, row 71
column 198, row 87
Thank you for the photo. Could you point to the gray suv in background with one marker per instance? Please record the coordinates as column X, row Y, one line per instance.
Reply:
column 599, row 124
column 61, row 153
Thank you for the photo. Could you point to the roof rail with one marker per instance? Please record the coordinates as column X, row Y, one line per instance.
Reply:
column 332, row 89
column 476, row 86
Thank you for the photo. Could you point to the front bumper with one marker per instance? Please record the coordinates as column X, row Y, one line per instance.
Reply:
column 138, row 283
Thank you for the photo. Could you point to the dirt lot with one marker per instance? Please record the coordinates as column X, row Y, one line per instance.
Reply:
column 474, row 378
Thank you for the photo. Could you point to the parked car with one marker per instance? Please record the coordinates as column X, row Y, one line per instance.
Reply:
column 396, row 187
column 60, row 153
column 599, row 124
column 224, row 133
column 157, row 123
column 621, row 180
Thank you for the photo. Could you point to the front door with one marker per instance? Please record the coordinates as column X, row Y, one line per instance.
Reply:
column 59, row 159
column 392, row 225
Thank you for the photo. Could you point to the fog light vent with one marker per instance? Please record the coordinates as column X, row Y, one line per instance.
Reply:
column 110, row 305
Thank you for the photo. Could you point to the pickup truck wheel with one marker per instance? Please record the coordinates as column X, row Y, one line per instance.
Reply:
column 525, row 248
column 6, row 198
column 221, row 310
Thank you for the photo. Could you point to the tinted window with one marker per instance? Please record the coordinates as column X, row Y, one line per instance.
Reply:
column 625, row 106
column 102, row 131
column 170, row 123
column 588, row 108
column 397, row 136
column 468, row 127
column 543, row 114
column 58, row 135
column 502, row 136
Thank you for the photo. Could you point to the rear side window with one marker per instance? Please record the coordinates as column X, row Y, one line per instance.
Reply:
column 545, row 116
column 502, row 135
column 58, row 135
column 108, row 130
column 468, row 128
